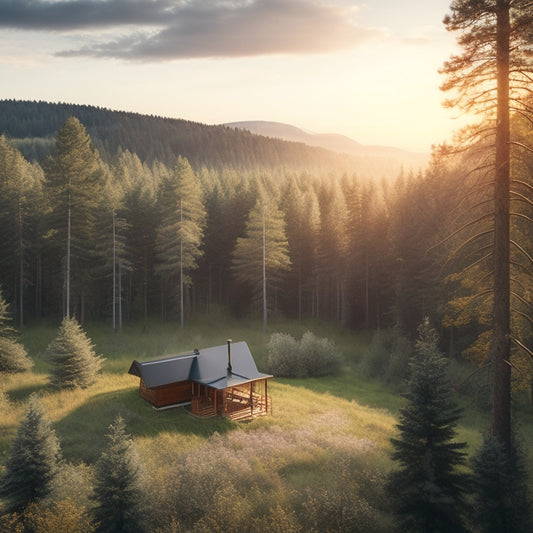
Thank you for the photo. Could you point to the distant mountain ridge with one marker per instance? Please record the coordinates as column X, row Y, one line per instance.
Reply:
column 32, row 126
column 329, row 141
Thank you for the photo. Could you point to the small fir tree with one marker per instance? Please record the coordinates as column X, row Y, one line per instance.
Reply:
column 33, row 462
column 6, row 329
column 72, row 354
column 117, row 489
column 501, row 496
column 13, row 356
column 427, row 490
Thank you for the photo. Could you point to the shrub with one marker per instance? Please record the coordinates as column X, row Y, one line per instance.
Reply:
column 310, row 357
column 13, row 356
column 283, row 357
column 320, row 356
column 388, row 356
column 64, row 515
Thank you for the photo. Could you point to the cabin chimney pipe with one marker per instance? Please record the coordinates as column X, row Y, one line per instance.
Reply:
column 229, row 356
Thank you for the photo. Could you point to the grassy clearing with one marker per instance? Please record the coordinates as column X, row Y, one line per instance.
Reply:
column 325, row 434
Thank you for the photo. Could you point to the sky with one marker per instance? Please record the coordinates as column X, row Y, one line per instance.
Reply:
column 367, row 69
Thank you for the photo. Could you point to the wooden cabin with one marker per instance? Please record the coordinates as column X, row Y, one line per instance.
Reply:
column 222, row 380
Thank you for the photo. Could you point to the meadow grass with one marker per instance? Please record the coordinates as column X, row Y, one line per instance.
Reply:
column 318, row 426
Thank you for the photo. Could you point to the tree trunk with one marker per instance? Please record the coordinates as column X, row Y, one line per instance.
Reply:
column 265, row 310
column 501, row 341
column 67, row 310
column 114, row 299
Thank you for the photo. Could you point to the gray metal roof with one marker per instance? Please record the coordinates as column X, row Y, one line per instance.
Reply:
column 208, row 367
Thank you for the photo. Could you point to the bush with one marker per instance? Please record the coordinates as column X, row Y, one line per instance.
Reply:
column 283, row 355
column 388, row 357
column 13, row 356
column 310, row 357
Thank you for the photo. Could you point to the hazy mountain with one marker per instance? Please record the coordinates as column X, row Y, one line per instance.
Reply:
column 331, row 141
column 275, row 148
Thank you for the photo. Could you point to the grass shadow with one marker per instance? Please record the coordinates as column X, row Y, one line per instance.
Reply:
column 82, row 432
column 23, row 393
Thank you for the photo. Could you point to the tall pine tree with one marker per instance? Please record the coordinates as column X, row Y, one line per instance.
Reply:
column 75, row 176
column 427, row 489
column 490, row 77
column 180, row 235
column 262, row 255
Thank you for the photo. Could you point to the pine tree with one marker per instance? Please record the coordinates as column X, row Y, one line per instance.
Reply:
column 73, row 357
column 262, row 255
column 179, row 237
column 21, row 201
column 33, row 462
column 75, row 175
column 13, row 355
column 501, row 495
column 490, row 77
column 426, row 489
column 302, row 218
column 117, row 490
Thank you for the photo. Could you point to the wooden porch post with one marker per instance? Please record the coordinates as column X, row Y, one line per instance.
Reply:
column 251, row 399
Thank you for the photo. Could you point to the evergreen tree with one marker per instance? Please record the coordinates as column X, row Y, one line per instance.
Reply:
column 501, row 496
column 302, row 219
column 490, row 77
column 73, row 357
column 21, row 201
column 427, row 490
column 33, row 462
column 180, row 235
column 75, row 175
column 13, row 356
column 262, row 255
column 117, row 490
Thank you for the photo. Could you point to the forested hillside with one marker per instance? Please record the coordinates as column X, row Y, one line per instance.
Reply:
column 125, row 238
column 119, row 240
column 32, row 126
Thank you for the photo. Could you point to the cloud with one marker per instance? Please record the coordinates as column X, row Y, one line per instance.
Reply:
column 177, row 29
column 81, row 14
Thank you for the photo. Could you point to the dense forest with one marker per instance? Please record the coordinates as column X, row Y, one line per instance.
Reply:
column 127, row 237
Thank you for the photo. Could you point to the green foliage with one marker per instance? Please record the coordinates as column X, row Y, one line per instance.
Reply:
column 261, row 257
column 33, row 461
column 501, row 497
column 13, row 356
column 73, row 357
column 309, row 357
column 64, row 515
column 6, row 328
column 180, row 234
column 388, row 356
column 117, row 491
column 427, row 489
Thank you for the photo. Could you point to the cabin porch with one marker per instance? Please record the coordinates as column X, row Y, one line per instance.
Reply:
column 240, row 402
